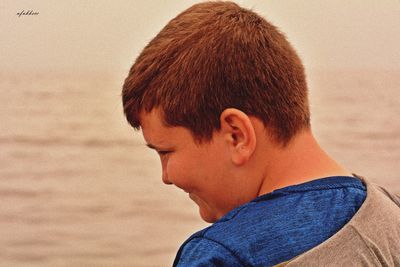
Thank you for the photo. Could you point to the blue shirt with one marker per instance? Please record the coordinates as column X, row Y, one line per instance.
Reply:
column 276, row 227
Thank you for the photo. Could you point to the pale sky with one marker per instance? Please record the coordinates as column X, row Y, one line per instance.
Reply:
column 102, row 35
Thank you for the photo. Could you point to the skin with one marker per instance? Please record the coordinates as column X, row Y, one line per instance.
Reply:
column 241, row 162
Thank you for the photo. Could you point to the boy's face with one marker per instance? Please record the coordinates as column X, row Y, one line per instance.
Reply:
column 203, row 171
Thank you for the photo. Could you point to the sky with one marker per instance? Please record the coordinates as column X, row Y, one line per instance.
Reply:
column 103, row 35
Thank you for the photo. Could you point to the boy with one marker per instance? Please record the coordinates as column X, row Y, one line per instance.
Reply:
column 221, row 95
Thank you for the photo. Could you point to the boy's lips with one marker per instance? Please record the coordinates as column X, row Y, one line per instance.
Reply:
column 195, row 198
column 192, row 197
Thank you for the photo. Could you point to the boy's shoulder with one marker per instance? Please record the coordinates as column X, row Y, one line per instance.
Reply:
column 371, row 238
column 279, row 219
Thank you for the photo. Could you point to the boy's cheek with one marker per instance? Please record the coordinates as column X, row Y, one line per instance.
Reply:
column 176, row 175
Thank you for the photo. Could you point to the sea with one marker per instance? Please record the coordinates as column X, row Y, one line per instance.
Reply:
column 78, row 186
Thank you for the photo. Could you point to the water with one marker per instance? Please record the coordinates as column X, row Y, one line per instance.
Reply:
column 79, row 188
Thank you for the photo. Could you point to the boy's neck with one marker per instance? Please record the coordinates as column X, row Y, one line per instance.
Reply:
column 301, row 161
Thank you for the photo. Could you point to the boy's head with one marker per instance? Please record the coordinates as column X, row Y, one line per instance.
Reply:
column 214, row 56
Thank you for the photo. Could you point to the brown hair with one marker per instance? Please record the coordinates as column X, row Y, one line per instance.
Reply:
column 213, row 56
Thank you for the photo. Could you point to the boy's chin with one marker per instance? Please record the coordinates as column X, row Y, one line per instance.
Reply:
column 205, row 212
column 207, row 215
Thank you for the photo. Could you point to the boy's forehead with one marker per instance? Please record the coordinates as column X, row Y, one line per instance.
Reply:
column 150, row 119
column 151, row 125
column 155, row 132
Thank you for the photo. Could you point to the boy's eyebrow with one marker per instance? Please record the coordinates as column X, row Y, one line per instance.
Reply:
column 151, row 146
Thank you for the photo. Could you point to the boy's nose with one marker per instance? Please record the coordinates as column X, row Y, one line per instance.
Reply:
column 165, row 176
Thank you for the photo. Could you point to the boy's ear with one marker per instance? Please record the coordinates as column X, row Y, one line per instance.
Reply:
column 239, row 134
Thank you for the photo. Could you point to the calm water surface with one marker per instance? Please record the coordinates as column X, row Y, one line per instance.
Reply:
column 79, row 188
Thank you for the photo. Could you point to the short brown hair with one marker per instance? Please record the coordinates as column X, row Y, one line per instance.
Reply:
column 213, row 56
